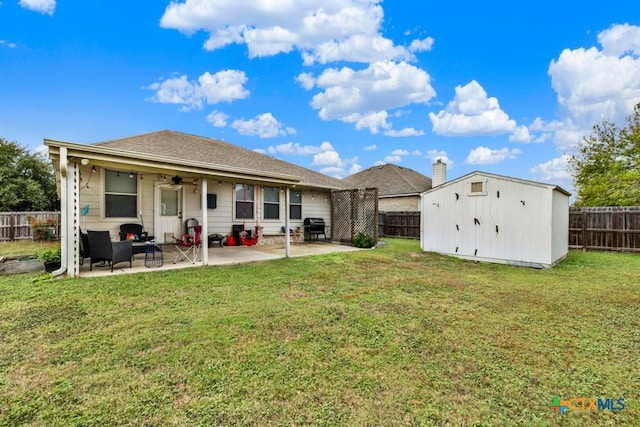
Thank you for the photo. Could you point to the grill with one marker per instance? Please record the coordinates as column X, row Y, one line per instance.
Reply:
column 314, row 227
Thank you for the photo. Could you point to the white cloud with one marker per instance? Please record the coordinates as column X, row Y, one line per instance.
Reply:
column 363, row 97
column 43, row 6
column 321, row 30
column 306, row 80
column 435, row 155
column 371, row 147
column 593, row 85
column 358, row 48
column 554, row 169
column 404, row 132
column 395, row 156
column 324, row 156
column 355, row 168
column 223, row 86
column 620, row 40
column 299, row 150
column 10, row 45
column 263, row 125
column 423, row 45
column 521, row 134
column 217, row 119
column 472, row 112
column 487, row 156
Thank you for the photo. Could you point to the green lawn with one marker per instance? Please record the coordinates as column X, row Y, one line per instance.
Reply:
column 389, row 336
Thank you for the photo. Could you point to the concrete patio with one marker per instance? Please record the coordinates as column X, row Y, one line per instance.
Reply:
column 218, row 256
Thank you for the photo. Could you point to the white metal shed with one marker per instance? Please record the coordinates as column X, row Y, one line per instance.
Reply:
column 494, row 218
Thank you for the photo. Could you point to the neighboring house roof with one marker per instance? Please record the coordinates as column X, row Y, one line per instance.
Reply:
column 500, row 177
column 185, row 148
column 391, row 180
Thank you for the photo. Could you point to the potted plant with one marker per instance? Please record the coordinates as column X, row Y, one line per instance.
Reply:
column 51, row 259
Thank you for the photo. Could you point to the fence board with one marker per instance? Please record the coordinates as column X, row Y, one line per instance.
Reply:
column 399, row 224
column 16, row 226
column 605, row 228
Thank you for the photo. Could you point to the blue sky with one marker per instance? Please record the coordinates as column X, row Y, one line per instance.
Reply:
column 333, row 85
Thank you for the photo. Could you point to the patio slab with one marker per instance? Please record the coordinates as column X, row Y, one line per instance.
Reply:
column 219, row 256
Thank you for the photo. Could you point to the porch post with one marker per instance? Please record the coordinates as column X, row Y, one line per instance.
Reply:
column 205, row 223
column 287, row 238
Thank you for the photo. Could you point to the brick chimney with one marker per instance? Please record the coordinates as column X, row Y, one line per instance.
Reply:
column 439, row 175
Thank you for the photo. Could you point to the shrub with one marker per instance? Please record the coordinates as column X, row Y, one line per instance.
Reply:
column 49, row 255
column 40, row 227
column 364, row 241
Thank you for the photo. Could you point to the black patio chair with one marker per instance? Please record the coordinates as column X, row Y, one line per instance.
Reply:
column 104, row 250
column 132, row 231
column 84, row 247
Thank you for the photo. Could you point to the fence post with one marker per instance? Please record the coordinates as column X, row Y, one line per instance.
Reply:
column 584, row 230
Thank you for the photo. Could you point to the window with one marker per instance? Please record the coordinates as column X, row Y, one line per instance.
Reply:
column 271, row 203
column 477, row 187
column 295, row 204
column 120, row 194
column 244, row 201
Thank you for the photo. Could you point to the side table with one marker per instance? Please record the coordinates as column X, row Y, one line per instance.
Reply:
column 153, row 256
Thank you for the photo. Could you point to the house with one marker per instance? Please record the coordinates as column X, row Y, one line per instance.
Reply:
column 494, row 218
column 399, row 188
column 165, row 179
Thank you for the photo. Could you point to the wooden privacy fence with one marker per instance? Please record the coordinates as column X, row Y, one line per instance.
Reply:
column 16, row 225
column 399, row 224
column 605, row 228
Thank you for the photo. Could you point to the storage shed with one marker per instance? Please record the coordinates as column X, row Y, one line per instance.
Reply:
column 494, row 218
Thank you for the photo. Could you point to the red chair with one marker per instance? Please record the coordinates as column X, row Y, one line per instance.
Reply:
column 189, row 246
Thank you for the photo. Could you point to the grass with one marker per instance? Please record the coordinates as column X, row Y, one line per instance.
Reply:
column 390, row 336
column 26, row 247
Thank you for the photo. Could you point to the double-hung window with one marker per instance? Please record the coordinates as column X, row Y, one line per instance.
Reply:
column 271, row 203
column 120, row 194
column 244, row 201
column 295, row 204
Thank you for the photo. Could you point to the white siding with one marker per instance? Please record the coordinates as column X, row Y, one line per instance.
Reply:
column 511, row 221
column 315, row 203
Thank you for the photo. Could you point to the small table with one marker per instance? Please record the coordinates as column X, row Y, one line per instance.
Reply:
column 153, row 255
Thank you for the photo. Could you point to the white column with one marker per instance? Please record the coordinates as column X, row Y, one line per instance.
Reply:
column 287, row 237
column 205, row 223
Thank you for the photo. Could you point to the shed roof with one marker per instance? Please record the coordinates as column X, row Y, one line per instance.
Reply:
column 391, row 180
column 500, row 177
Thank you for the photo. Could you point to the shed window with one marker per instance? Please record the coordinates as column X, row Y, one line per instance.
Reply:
column 120, row 194
column 477, row 187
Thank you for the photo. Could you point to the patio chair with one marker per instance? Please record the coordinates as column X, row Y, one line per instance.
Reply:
column 189, row 246
column 135, row 232
column 102, row 249
column 84, row 246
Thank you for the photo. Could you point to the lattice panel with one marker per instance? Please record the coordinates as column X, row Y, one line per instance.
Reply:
column 354, row 211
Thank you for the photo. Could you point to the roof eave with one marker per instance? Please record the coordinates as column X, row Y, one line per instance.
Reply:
column 103, row 155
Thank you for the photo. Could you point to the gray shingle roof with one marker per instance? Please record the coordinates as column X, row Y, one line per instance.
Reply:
column 185, row 147
column 390, row 180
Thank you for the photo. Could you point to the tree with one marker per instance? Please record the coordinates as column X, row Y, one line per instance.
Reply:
column 27, row 180
column 606, row 169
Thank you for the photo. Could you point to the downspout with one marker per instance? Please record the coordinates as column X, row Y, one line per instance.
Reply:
column 63, row 214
